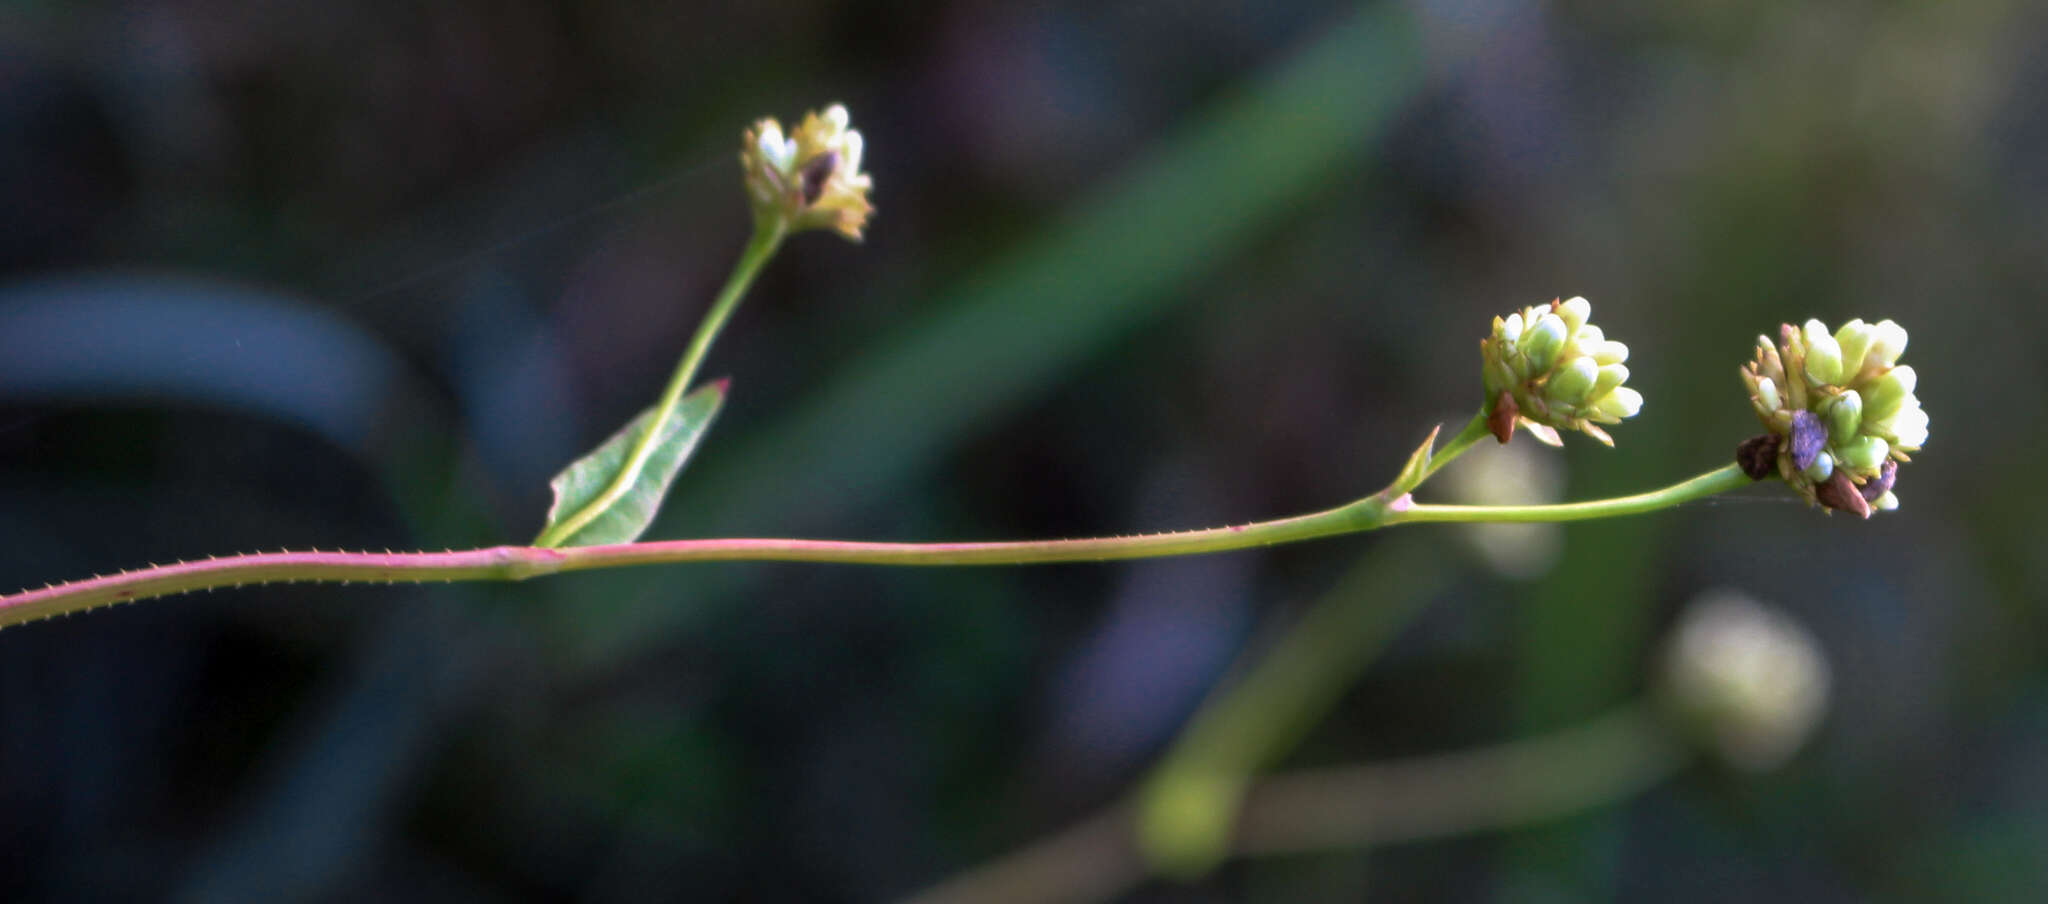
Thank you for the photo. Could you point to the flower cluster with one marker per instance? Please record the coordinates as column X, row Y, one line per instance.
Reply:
column 1840, row 412
column 1547, row 369
column 810, row 179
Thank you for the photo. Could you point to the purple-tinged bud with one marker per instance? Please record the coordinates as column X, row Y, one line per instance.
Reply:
column 1758, row 456
column 1877, row 489
column 1840, row 494
column 1809, row 436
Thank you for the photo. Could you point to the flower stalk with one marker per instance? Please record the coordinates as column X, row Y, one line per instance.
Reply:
column 768, row 235
column 517, row 563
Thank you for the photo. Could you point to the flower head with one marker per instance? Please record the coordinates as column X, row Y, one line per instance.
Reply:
column 810, row 179
column 1547, row 369
column 1840, row 412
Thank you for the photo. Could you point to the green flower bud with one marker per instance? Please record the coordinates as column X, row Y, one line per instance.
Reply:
column 1823, row 355
column 1886, row 503
column 1542, row 341
column 1864, row 454
column 1854, row 338
column 1844, row 415
column 1888, row 393
column 1608, row 352
column 1767, row 393
column 1573, row 381
column 1610, row 376
column 1768, row 363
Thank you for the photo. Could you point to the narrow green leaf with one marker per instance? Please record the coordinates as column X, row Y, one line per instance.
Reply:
column 585, row 480
column 1418, row 464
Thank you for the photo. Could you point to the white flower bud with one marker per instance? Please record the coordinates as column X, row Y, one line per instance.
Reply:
column 1767, row 394
column 1511, row 328
column 1822, row 468
column 1622, row 402
column 1823, row 355
column 1574, row 313
column 1888, row 341
column 1909, row 429
column 1854, row 338
column 1608, row 352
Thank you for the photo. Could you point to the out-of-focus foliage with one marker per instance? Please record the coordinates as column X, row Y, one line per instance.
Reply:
column 360, row 274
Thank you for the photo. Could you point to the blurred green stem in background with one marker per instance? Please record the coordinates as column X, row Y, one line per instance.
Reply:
column 1187, row 808
column 1597, row 763
column 768, row 235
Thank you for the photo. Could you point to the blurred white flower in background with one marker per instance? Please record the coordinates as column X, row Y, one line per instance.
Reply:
column 1515, row 474
column 1745, row 680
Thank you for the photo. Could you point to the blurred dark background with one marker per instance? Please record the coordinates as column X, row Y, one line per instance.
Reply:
column 363, row 274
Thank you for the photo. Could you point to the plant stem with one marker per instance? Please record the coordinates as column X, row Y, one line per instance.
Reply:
column 1513, row 784
column 1475, row 429
column 1719, row 480
column 768, row 235
column 1185, row 808
column 513, row 563
column 1516, row 783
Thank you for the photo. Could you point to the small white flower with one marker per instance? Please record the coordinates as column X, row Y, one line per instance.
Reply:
column 810, row 179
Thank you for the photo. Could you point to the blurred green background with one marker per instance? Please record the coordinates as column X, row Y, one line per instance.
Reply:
column 364, row 274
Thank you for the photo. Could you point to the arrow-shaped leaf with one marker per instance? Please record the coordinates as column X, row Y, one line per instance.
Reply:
column 626, row 518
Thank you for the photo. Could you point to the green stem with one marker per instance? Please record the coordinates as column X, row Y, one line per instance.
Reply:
column 768, row 235
column 1519, row 783
column 512, row 563
column 1475, row 430
column 1719, row 480
column 1186, row 807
